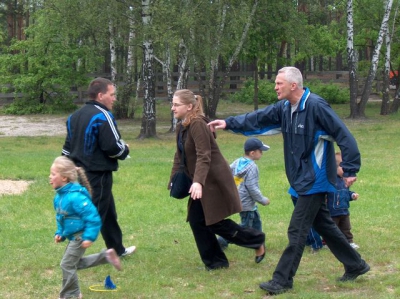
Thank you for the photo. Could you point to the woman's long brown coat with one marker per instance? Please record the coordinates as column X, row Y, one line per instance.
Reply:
column 207, row 166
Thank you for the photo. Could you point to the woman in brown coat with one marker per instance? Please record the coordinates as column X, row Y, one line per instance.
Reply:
column 213, row 194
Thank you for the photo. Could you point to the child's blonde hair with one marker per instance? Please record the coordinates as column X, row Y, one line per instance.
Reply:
column 67, row 168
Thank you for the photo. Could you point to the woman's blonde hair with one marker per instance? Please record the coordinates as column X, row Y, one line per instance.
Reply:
column 187, row 97
column 67, row 168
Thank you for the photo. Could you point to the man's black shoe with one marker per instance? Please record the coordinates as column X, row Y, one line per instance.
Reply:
column 274, row 288
column 350, row 276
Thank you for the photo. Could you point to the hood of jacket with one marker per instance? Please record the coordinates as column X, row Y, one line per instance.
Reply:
column 72, row 187
column 242, row 167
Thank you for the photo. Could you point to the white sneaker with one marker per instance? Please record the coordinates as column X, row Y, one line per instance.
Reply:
column 113, row 259
column 354, row 245
column 129, row 251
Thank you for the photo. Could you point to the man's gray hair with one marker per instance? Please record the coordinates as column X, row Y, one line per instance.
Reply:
column 292, row 75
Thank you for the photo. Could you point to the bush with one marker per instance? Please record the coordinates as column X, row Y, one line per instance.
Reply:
column 331, row 92
column 266, row 93
column 57, row 104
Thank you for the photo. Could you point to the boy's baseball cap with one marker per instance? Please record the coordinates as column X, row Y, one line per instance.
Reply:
column 253, row 144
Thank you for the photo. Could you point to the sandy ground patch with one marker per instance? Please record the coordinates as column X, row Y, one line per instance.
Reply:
column 9, row 187
column 32, row 125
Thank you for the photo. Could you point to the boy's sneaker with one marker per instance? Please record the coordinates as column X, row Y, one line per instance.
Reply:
column 113, row 259
column 129, row 251
column 354, row 245
column 350, row 276
column 274, row 288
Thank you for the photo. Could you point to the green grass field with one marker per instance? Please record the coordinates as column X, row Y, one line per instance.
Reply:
column 167, row 264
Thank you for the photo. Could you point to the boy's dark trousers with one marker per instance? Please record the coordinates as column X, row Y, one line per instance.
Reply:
column 343, row 223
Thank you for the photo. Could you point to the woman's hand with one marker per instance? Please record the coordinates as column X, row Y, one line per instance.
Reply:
column 196, row 191
column 57, row 239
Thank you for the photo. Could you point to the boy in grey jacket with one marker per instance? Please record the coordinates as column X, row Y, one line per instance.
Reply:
column 245, row 173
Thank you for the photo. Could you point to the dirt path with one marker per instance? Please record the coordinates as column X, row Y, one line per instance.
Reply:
column 42, row 125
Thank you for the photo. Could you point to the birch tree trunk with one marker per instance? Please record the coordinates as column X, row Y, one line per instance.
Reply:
column 386, row 84
column 216, row 88
column 148, row 127
column 351, row 59
column 167, row 74
column 374, row 62
column 130, row 68
column 113, row 54
column 127, row 99
column 212, row 101
column 183, row 68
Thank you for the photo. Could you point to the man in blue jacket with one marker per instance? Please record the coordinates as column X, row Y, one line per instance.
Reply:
column 309, row 127
column 94, row 143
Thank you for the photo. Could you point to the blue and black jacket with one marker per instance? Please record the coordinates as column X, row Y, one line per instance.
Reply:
column 93, row 140
column 309, row 135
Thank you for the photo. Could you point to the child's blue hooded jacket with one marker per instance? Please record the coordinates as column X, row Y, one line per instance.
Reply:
column 76, row 214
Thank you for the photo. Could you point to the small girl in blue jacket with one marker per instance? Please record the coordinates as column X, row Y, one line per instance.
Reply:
column 78, row 221
column 339, row 203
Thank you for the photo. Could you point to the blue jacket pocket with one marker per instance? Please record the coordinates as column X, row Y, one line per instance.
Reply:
column 342, row 199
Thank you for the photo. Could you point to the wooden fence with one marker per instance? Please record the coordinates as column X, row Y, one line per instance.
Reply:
column 234, row 83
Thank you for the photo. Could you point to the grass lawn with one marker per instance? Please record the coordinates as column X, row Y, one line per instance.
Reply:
column 167, row 264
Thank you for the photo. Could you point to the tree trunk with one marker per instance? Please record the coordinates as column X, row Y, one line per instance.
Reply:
column 374, row 62
column 183, row 67
column 386, row 84
column 352, row 61
column 183, row 71
column 385, row 108
column 126, row 104
column 281, row 55
column 148, row 127
column 218, row 87
column 167, row 74
column 113, row 54
column 394, row 108
column 211, row 106
column 255, row 98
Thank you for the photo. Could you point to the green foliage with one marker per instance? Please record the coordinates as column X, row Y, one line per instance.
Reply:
column 332, row 93
column 266, row 93
column 52, row 106
column 44, row 67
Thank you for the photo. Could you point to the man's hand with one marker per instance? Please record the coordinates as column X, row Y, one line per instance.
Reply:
column 217, row 124
column 349, row 181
